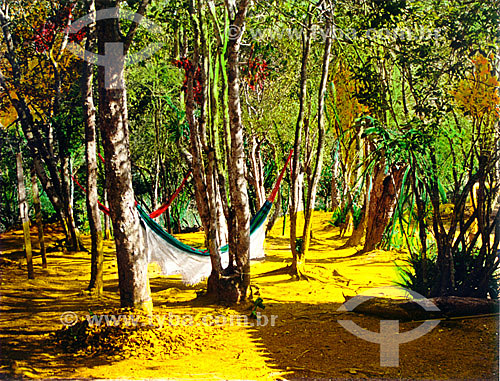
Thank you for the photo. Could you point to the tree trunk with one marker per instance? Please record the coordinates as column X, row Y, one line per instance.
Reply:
column 295, row 168
column 74, row 241
column 23, row 212
column 276, row 213
column 298, row 264
column 204, row 174
column 257, row 176
column 382, row 202
column 334, row 190
column 38, row 216
column 107, row 223
column 238, row 189
column 97, row 253
column 130, row 250
column 358, row 233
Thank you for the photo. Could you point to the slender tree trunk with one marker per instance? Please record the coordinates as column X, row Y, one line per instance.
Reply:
column 358, row 233
column 23, row 211
column 38, row 216
column 74, row 241
column 97, row 253
column 276, row 213
column 203, row 174
column 107, row 220
column 43, row 158
column 295, row 189
column 130, row 249
column 257, row 173
column 334, row 192
column 298, row 264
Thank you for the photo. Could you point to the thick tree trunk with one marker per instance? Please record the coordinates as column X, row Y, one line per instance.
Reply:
column 130, row 250
column 38, row 216
column 89, row 111
column 382, row 202
column 23, row 212
column 238, row 189
column 358, row 233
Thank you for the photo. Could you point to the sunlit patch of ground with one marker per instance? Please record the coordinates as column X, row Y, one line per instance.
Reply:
column 305, row 340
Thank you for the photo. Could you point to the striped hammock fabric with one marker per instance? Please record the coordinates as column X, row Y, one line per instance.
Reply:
column 177, row 258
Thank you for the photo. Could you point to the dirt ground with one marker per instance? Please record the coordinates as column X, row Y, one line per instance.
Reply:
column 305, row 341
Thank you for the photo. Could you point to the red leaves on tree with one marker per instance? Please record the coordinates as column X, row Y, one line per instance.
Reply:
column 46, row 33
column 44, row 36
column 185, row 63
column 255, row 73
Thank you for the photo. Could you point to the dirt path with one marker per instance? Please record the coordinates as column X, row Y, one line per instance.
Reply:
column 305, row 341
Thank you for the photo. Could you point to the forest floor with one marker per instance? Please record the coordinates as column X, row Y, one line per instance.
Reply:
column 302, row 337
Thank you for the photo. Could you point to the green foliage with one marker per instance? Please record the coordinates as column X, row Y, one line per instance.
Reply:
column 339, row 216
column 420, row 274
column 298, row 244
column 8, row 179
column 356, row 215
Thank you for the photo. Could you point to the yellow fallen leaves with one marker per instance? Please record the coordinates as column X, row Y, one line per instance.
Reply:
column 124, row 333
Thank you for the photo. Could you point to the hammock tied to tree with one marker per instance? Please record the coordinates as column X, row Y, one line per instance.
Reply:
column 177, row 258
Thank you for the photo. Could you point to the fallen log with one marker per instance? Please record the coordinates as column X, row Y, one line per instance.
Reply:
column 407, row 310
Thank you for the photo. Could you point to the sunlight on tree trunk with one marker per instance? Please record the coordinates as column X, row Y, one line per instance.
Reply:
column 38, row 216
column 295, row 167
column 130, row 245
column 23, row 212
column 93, row 213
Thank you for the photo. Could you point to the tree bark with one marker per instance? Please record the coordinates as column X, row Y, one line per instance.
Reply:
column 295, row 168
column 130, row 250
column 89, row 111
column 38, row 216
column 23, row 212
column 298, row 264
column 107, row 223
column 382, row 202
column 238, row 189
column 204, row 172
column 257, row 176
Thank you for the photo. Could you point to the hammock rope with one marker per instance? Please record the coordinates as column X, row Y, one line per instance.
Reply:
column 165, row 206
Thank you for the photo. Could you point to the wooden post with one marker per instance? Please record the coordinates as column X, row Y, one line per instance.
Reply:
column 23, row 211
